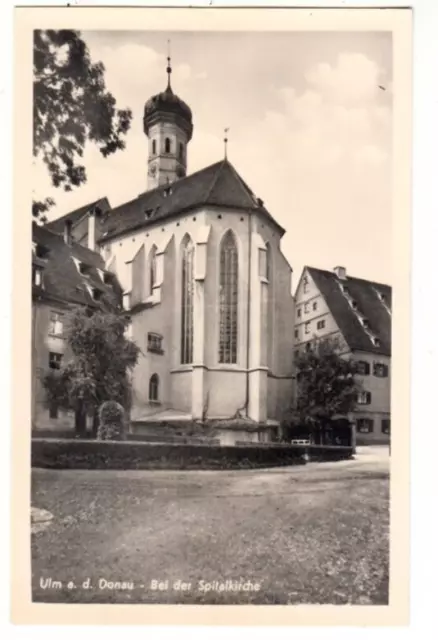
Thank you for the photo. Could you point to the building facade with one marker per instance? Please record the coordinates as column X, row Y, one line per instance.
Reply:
column 358, row 313
column 65, row 275
column 205, row 284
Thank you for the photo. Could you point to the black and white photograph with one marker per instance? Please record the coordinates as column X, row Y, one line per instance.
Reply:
column 211, row 315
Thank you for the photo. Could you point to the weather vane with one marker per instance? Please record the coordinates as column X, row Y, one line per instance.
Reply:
column 226, row 141
column 169, row 68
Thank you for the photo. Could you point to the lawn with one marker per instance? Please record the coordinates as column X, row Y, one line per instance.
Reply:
column 314, row 534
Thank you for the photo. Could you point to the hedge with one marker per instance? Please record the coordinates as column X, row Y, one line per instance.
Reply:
column 91, row 454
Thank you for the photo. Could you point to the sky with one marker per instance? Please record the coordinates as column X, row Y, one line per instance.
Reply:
column 309, row 132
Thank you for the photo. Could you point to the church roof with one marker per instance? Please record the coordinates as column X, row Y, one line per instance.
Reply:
column 218, row 185
column 368, row 296
column 61, row 277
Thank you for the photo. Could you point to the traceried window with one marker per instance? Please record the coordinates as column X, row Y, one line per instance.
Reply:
column 187, row 286
column 228, row 300
column 152, row 269
column 154, row 388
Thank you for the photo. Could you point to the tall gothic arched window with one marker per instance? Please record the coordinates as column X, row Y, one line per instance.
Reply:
column 154, row 388
column 152, row 266
column 228, row 299
column 187, row 286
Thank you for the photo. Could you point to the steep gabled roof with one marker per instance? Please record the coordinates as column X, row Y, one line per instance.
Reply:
column 218, row 185
column 366, row 295
column 57, row 226
column 61, row 277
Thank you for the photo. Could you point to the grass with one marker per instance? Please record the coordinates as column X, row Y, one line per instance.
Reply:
column 317, row 534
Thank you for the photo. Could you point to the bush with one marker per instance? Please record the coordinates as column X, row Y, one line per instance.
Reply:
column 111, row 421
column 89, row 454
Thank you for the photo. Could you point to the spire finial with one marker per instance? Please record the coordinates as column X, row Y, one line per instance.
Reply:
column 226, row 141
column 169, row 67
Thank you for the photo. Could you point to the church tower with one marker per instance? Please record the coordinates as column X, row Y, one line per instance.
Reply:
column 168, row 126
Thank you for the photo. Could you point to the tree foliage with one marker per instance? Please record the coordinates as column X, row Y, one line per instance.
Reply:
column 71, row 106
column 326, row 386
column 100, row 360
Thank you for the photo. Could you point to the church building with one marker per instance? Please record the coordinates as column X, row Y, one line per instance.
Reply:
column 205, row 283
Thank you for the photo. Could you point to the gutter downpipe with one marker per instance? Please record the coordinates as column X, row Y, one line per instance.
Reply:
column 248, row 310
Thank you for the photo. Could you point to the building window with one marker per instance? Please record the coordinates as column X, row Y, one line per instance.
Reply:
column 55, row 360
column 187, row 301
column 306, row 307
column 181, row 151
column 386, row 426
column 299, row 313
column 363, row 368
column 155, row 341
column 154, row 388
column 37, row 276
column 307, row 327
column 154, row 147
column 314, row 306
column 228, row 300
column 380, row 370
column 268, row 262
column 365, row 425
column 56, row 325
column 320, row 324
column 305, row 284
column 152, row 269
column 364, row 397
column 296, row 333
column 167, row 145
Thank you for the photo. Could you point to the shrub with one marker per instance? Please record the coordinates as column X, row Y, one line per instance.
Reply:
column 83, row 454
column 111, row 421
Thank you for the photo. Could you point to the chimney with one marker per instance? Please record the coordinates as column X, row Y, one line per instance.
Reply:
column 341, row 272
column 92, row 229
column 67, row 232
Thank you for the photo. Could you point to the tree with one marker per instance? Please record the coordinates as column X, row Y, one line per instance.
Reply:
column 71, row 106
column 101, row 358
column 326, row 389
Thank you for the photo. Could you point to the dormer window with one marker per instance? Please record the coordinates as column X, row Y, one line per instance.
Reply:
column 375, row 341
column 167, row 191
column 97, row 294
column 148, row 213
column 364, row 322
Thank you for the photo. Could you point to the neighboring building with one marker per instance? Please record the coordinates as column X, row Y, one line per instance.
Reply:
column 205, row 283
column 329, row 304
column 64, row 275
column 84, row 229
